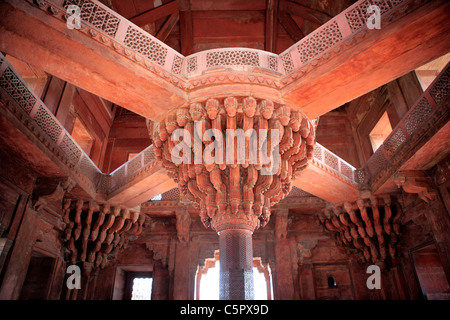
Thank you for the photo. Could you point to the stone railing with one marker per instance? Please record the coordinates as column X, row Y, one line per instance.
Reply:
column 111, row 29
column 143, row 161
column 324, row 158
column 236, row 58
column 430, row 110
column 34, row 114
column 327, row 38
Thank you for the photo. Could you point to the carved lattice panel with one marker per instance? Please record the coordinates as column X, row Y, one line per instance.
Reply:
column 105, row 182
column 331, row 160
column 318, row 153
column 298, row 193
column 272, row 62
column 232, row 57
column 172, row 194
column 417, row 116
column 440, row 89
column 149, row 155
column 377, row 161
column 346, row 170
column 118, row 176
column 192, row 64
column 357, row 17
column 145, row 46
column 394, row 141
column 134, row 164
column 48, row 123
column 176, row 65
column 96, row 16
column 362, row 175
column 71, row 149
column 288, row 64
column 17, row 90
column 88, row 169
column 319, row 42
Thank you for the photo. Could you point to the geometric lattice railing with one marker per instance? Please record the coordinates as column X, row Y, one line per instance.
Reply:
column 325, row 158
column 426, row 112
column 31, row 108
column 110, row 28
column 325, row 38
column 145, row 160
column 238, row 58
column 114, row 27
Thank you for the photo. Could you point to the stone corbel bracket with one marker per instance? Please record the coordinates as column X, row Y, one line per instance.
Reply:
column 416, row 182
column 371, row 226
column 95, row 232
column 183, row 224
column 50, row 190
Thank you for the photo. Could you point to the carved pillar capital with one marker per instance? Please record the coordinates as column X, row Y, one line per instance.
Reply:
column 183, row 224
column 160, row 251
column 281, row 223
column 304, row 248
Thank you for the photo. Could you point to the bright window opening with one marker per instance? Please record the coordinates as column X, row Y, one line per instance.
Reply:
column 380, row 132
column 131, row 155
column 158, row 197
column 428, row 72
column 207, row 280
column 82, row 136
column 142, row 289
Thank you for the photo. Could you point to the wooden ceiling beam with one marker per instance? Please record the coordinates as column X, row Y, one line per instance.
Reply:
column 290, row 26
column 155, row 14
column 271, row 25
column 186, row 27
column 168, row 26
column 304, row 12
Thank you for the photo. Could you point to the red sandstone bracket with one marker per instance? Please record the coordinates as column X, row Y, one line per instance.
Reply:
column 116, row 60
column 135, row 74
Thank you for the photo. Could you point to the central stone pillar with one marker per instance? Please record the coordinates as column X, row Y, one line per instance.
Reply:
column 235, row 232
column 236, row 264
column 234, row 157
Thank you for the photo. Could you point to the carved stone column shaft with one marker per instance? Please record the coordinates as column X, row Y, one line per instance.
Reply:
column 236, row 264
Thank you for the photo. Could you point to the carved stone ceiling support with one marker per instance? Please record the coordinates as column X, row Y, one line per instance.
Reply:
column 95, row 232
column 234, row 157
column 50, row 190
column 370, row 226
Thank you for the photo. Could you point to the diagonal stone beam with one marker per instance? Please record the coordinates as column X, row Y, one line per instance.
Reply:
column 96, row 61
column 120, row 62
column 364, row 59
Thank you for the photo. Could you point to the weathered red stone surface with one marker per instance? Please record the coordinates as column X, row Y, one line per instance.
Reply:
column 78, row 166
